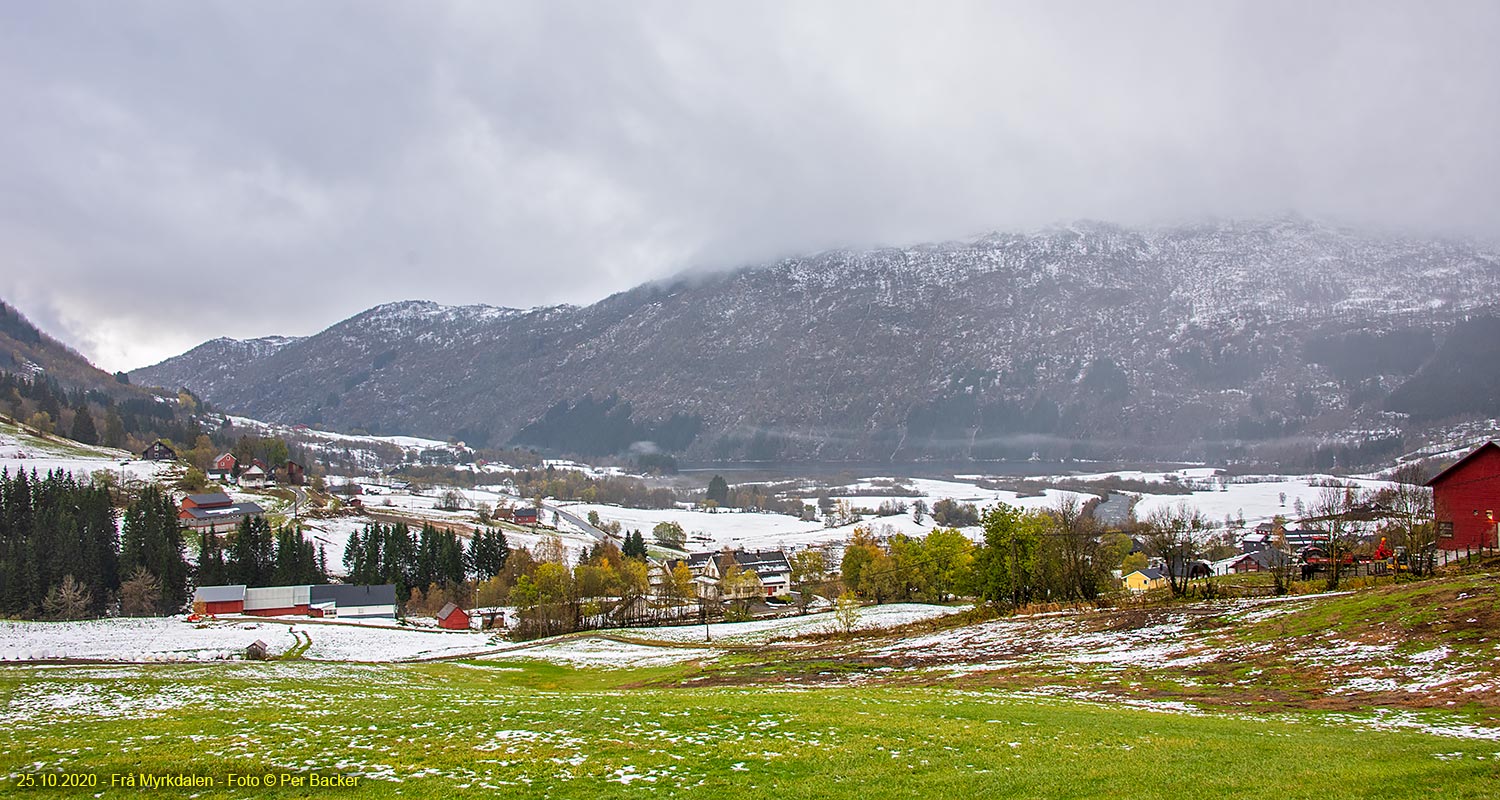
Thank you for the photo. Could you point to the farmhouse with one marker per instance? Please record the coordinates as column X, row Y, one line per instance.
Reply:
column 214, row 512
column 1255, row 561
column 1144, row 579
column 253, row 478
column 1466, row 499
column 770, row 566
column 525, row 515
column 159, row 451
column 222, row 468
column 296, row 475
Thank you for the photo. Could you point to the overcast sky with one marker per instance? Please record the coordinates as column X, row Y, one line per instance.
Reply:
column 173, row 172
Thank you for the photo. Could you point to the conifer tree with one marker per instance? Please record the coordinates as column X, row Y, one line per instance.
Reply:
column 83, row 427
column 152, row 538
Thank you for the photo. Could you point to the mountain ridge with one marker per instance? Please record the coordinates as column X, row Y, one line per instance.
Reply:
column 1087, row 339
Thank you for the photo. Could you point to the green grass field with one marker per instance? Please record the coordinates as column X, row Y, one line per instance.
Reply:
column 535, row 730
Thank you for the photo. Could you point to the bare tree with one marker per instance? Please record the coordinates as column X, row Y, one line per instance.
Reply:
column 139, row 594
column 1332, row 512
column 1412, row 515
column 1284, row 561
column 67, row 600
column 1077, row 540
column 1172, row 535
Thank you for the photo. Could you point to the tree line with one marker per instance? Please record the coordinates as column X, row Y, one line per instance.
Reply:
column 62, row 557
column 1027, row 556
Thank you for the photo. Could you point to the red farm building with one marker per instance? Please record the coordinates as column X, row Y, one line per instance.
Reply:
column 221, row 599
column 525, row 515
column 453, row 618
column 1466, row 500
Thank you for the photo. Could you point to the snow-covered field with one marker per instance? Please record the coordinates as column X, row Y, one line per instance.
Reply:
column 20, row 450
column 763, row 631
column 593, row 651
column 175, row 639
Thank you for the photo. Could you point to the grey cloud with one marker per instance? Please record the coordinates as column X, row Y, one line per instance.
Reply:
column 269, row 168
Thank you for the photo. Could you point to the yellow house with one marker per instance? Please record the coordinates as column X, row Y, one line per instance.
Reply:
column 1144, row 579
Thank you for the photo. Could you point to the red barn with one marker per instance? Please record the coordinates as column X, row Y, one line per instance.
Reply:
column 525, row 515
column 453, row 618
column 1466, row 500
column 221, row 599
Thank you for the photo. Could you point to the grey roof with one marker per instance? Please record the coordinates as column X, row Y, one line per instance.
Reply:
column 448, row 608
column 345, row 595
column 1269, row 558
column 1151, row 573
column 220, row 594
column 761, row 562
column 236, row 510
column 209, row 498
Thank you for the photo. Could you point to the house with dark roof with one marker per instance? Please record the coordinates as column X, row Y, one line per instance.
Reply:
column 1145, row 579
column 1254, row 561
column 770, row 566
column 214, row 512
column 159, row 451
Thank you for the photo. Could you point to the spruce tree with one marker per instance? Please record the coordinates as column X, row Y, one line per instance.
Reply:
column 152, row 538
column 83, row 427
column 635, row 545
column 718, row 490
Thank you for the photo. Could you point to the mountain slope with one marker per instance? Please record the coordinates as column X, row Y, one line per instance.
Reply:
column 26, row 351
column 1089, row 340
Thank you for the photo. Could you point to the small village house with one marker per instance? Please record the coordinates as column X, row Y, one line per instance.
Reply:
column 1254, row 561
column 525, row 515
column 214, row 512
column 1143, row 580
column 1466, row 500
column 223, row 466
column 772, row 570
column 253, row 478
column 159, row 451
column 296, row 475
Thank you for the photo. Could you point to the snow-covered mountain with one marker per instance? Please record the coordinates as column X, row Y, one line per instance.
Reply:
column 1209, row 340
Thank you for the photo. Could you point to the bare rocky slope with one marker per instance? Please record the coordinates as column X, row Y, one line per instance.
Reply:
column 1287, row 339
